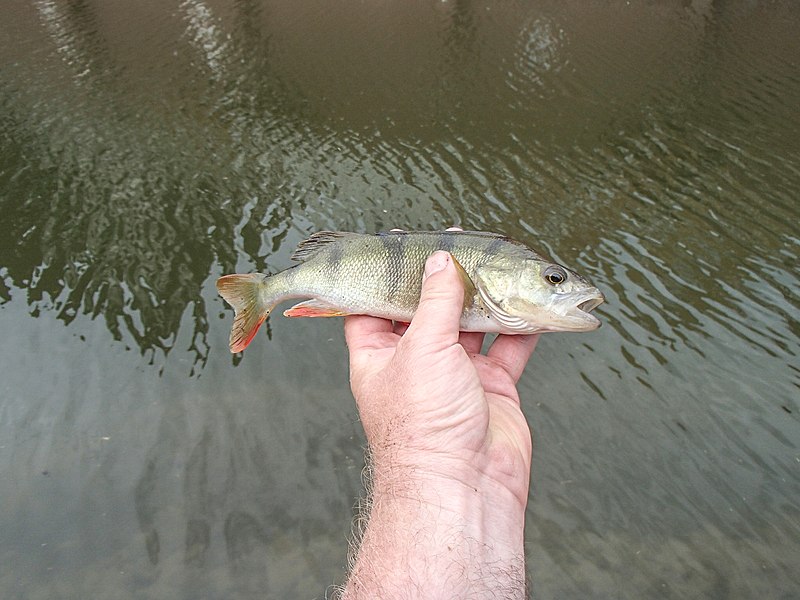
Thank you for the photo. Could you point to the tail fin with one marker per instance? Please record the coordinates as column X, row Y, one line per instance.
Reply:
column 243, row 293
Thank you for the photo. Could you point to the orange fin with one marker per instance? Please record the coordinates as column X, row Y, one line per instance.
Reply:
column 243, row 293
column 314, row 308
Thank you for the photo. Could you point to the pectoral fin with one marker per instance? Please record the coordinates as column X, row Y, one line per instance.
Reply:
column 315, row 308
column 469, row 285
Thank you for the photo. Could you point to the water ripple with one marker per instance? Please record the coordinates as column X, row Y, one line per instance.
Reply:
column 653, row 147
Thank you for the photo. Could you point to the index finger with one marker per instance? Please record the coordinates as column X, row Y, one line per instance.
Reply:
column 512, row 352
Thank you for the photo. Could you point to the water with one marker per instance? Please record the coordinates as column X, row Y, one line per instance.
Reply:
column 146, row 148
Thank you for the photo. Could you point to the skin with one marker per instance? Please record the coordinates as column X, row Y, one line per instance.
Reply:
column 449, row 452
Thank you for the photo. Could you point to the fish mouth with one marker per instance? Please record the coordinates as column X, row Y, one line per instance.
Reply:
column 589, row 305
column 579, row 314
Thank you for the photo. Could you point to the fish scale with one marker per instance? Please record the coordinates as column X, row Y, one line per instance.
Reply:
column 507, row 286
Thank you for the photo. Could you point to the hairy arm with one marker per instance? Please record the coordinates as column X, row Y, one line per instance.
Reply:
column 449, row 453
column 438, row 540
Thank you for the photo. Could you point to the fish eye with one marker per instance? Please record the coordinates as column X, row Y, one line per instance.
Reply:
column 555, row 275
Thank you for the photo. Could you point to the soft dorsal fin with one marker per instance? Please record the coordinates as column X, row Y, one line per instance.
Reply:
column 309, row 247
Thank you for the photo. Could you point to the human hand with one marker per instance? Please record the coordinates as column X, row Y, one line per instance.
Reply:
column 450, row 452
column 431, row 405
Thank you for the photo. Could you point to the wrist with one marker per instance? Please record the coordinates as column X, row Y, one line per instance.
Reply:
column 453, row 536
column 458, row 494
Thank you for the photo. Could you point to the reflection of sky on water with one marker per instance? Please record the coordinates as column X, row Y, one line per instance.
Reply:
column 205, row 37
column 147, row 150
column 540, row 53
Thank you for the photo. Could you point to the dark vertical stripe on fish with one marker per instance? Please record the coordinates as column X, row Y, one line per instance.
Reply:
column 334, row 259
column 494, row 246
column 394, row 245
column 447, row 241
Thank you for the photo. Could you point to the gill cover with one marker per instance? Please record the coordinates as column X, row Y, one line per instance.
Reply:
column 497, row 287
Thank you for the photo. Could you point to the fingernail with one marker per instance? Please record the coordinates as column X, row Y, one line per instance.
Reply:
column 436, row 262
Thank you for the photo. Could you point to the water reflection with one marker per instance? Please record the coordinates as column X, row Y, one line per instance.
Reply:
column 147, row 149
column 76, row 36
column 106, row 227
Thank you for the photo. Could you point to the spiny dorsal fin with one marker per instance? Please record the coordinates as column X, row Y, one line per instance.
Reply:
column 308, row 248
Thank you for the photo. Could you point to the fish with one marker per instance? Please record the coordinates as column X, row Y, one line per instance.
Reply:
column 509, row 288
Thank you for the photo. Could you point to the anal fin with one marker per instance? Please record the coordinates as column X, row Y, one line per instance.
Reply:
column 315, row 308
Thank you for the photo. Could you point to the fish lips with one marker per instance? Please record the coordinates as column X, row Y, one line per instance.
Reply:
column 573, row 311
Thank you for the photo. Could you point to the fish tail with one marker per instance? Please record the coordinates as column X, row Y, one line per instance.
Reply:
column 245, row 293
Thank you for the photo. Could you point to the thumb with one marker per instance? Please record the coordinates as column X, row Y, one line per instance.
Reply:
column 440, row 304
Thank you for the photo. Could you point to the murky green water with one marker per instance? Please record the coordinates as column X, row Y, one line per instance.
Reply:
column 148, row 147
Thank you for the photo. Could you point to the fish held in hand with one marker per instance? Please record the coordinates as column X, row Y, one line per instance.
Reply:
column 509, row 288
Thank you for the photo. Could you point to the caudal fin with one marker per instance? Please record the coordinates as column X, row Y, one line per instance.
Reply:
column 243, row 293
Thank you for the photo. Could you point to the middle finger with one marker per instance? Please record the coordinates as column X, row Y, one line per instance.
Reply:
column 472, row 341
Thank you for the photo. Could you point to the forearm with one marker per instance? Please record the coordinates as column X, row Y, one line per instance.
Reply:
column 434, row 538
